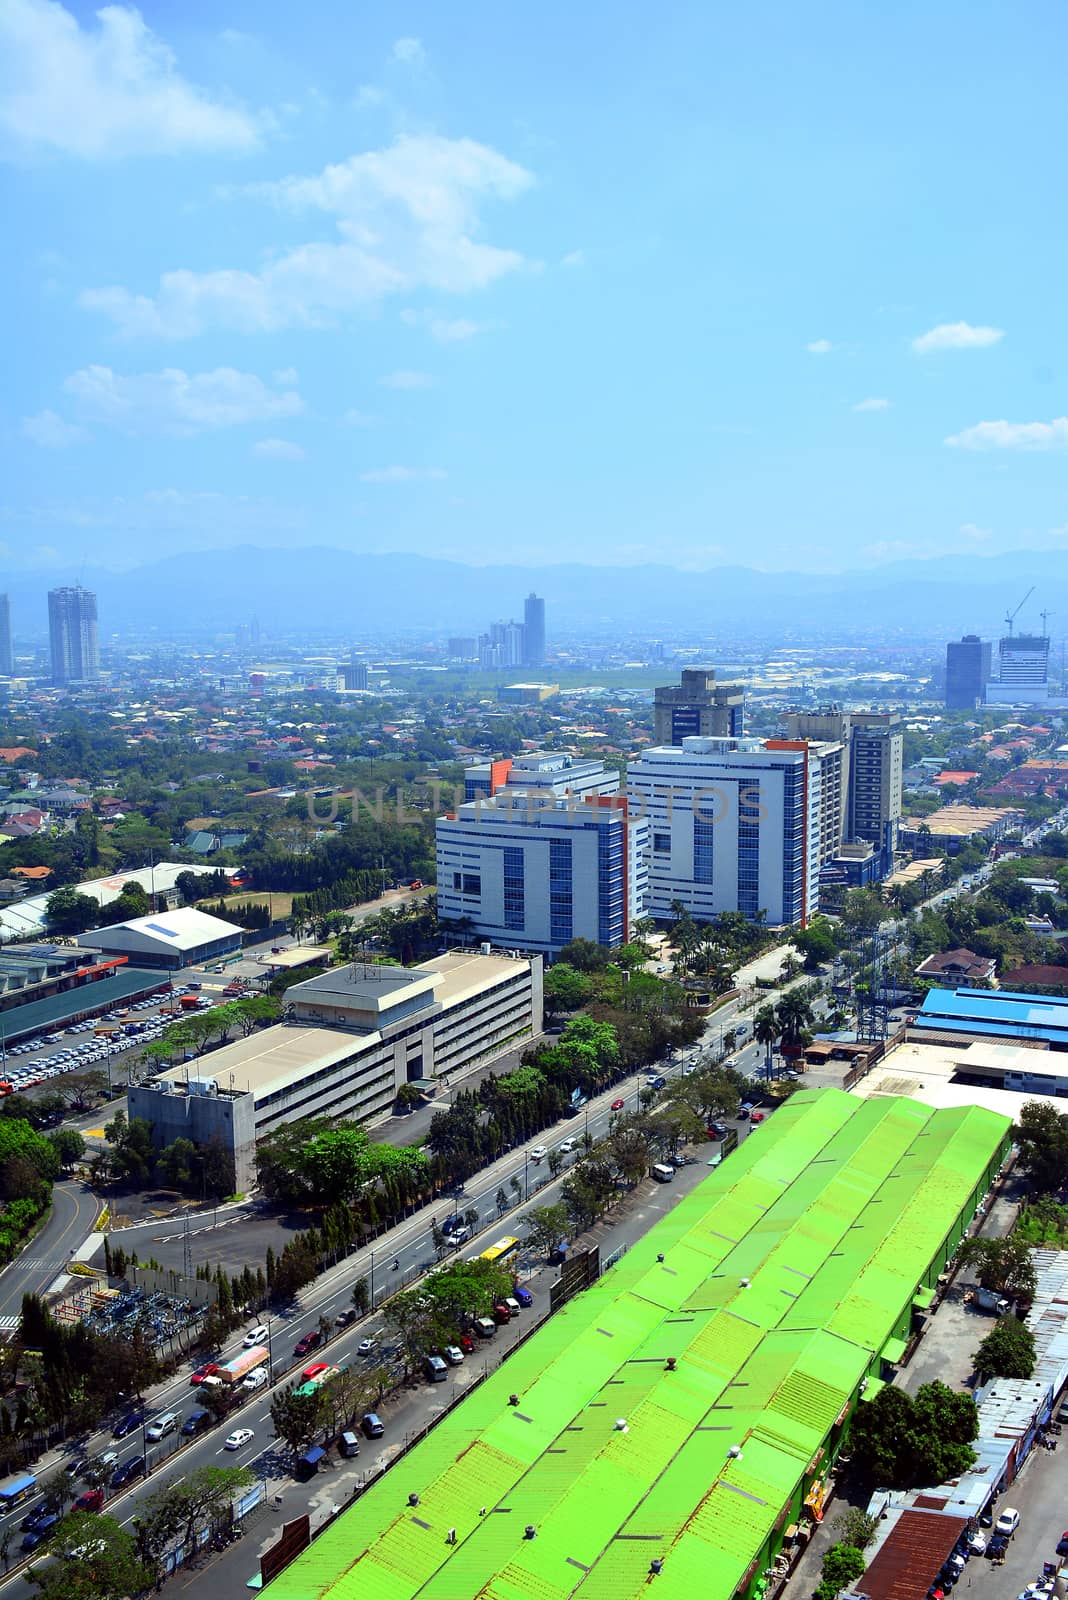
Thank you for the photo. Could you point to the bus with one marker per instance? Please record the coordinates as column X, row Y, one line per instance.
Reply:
column 501, row 1254
column 318, row 1380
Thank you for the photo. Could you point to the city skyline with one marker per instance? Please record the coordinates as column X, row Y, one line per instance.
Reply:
column 357, row 279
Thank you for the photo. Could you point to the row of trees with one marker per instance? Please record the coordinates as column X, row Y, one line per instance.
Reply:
column 204, row 1171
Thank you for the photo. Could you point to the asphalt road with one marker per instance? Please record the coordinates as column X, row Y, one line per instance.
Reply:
column 74, row 1210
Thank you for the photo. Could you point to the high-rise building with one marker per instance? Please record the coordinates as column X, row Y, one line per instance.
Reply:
column 550, row 855
column 533, row 631
column 967, row 672
column 7, row 660
column 353, row 675
column 873, row 750
column 699, row 707
column 1023, row 671
column 462, row 648
column 875, row 765
column 72, row 635
column 735, row 826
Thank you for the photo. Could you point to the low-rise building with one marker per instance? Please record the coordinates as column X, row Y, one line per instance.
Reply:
column 959, row 966
column 168, row 938
column 350, row 1039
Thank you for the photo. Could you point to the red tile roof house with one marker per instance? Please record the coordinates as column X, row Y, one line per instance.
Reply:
column 958, row 966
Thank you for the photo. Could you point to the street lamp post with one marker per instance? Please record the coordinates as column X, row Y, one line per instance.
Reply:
column 371, row 1296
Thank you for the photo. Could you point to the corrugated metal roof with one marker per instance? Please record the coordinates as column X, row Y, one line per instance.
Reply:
column 831, row 1215
column 912, row 1555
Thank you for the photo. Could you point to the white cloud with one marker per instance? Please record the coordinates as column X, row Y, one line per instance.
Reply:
column 956, row 336
column 278, row 450
column 49, row 430
column 285, row 378
column 1013, row 436
column 410, row 51
column 407, row 380
column 971, row 530
column 446, row 330
column 874, row 403
column 819, row 347
column 177, row 402
column 109, row 90
column 369, row 95
column 574, row 258
column 359, row 419
column 407, row 218
column 401, row 474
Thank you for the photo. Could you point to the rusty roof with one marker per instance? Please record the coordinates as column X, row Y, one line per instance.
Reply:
column 912, row 1555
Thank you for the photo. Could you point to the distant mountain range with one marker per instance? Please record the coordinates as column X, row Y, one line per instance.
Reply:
column 372, row 595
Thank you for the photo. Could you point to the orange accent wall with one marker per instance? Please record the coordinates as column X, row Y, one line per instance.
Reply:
column 499, row 771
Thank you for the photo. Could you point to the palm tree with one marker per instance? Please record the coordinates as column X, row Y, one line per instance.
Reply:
column 794, row 1017
column 765, row 1031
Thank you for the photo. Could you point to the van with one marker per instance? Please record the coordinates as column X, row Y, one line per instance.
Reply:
column 512, row 1304
column 435, row 1369
column 348, row 1444
column 484, row 1327
column 372, row 1425
column 662, row 1173
column 164, row 1424
column 196, row 1422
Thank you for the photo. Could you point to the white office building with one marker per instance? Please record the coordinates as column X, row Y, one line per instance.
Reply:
column 735, row 825
column 550, row 855
column 350, row 1039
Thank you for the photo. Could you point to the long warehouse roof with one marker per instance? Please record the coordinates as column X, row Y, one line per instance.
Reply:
column 786, row 1272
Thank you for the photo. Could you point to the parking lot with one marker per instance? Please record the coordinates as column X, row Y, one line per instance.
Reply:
column 85, row 1045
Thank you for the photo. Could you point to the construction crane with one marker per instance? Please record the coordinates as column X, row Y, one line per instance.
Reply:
column 1010, row 616
column 1045, row 615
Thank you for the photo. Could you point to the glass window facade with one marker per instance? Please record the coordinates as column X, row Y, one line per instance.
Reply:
column 560, row 891
column 514, row 888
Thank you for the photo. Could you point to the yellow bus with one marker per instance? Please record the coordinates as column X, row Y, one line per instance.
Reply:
column 501, row 1254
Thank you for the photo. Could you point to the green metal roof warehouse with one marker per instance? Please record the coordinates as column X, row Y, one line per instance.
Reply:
column 789, row 1277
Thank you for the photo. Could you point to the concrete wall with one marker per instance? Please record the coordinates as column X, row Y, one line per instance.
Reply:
column 231, row 1120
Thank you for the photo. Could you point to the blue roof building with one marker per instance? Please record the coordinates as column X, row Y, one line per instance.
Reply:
column 994, row 1014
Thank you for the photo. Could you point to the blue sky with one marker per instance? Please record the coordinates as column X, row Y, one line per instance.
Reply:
column 780, row 284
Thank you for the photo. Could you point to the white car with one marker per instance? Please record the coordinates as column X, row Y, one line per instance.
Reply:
column 255, row 1380
column 539, row 1152
column 977, row 1543
column 256, row 1336
column 239, row 1437
column 567, row 1145
column 365, row 1347
column 1008, row 1522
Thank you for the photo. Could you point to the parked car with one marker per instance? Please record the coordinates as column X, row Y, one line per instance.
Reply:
column 755, row 1118
column 997, row 1546
column 524, row 1297
column 716, row 1130
column 453, row 1355
column 311, row 1341
column 1008, row 1522
column 466, row 1343
column 372, row 1425
column 1062, row 1544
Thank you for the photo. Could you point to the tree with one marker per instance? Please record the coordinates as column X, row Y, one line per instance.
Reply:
column 855, row 1527
column 902, row 1441
column 175, row 1163
column 1042, row 1137
column 842, row 1565
column 68, row 1145
column 1004, row 1265
column 566, row 989
column 546, row 1226
column 1008, row 1351
column 361, row 1296
column 28, row 1161
column 296, row 1418
column 69, row 912
column 183, row 1506
column 816, row 943
column 107, row 1566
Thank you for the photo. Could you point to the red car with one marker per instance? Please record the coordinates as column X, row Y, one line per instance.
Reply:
column 755, row 1117
column 618, row 1104
column 313, row 1371
column 91, row 1500
column 208, row 1370
column 466, row 1343
column 311, row 1341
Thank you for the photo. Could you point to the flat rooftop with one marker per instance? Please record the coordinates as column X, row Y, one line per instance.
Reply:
column 929, row 1073
column 785, row 1274
column 284, row 1054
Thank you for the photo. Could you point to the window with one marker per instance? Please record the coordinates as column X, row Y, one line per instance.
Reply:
column 662, row 843
column 703, row 835
column 560, row 885
column 514, row 889
column 472, row 883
